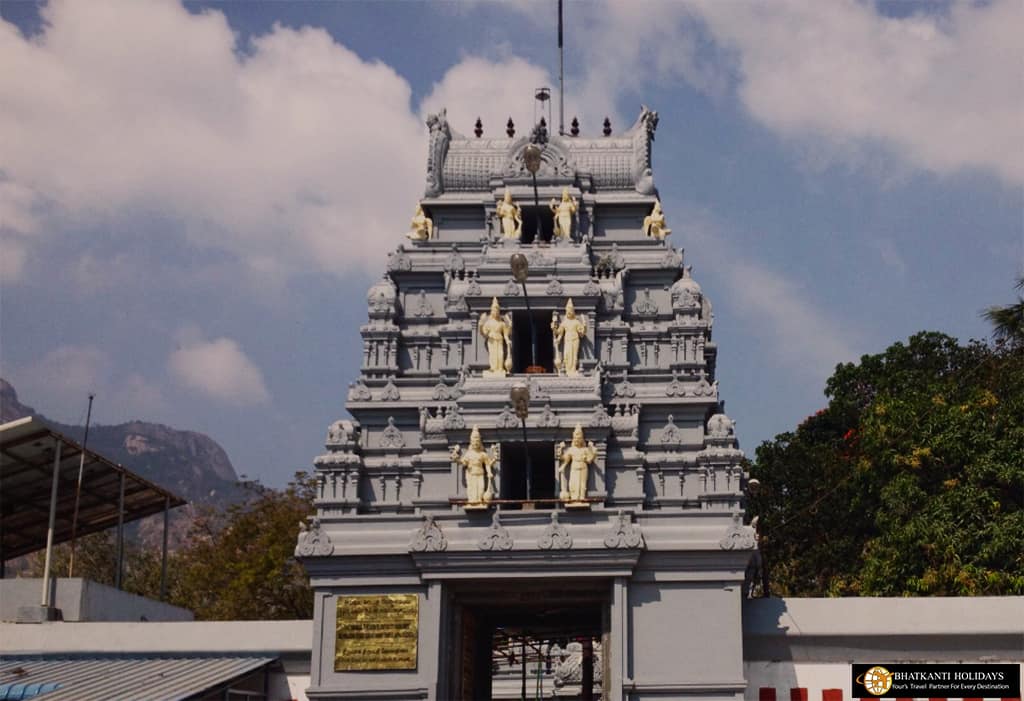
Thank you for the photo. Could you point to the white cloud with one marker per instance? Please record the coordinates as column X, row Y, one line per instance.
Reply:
column 58, row 384
column 290, row 150
column 491, row 90
column 944, row 92
column 795, row 331
column 940, row 89
column 220, row 370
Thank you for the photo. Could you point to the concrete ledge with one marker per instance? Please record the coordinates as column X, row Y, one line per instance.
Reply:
column 896, row 629
column 38, row 614
column 187, row 637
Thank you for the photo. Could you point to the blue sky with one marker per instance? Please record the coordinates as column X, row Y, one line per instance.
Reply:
column 194, row 198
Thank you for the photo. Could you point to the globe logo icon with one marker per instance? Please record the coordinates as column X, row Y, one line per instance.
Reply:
column 877, row 680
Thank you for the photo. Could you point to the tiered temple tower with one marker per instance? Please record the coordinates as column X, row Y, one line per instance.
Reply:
column 430, row 574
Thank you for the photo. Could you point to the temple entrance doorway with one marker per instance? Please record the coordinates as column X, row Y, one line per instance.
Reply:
column 530, row 639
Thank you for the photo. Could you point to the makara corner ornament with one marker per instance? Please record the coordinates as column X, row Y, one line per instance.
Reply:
column 569, row 332
column 577, row 457
column 511, row 217
column 563, row 212
column 497, row 329
column 421, row 227
column 479, row 465
column 654, row 223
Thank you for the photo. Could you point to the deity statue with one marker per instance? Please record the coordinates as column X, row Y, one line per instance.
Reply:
column 422, row 226
column 578, row 458
column 563, row 212
column 569, row 331
column 511, row 217
column 497, row 330
column 479, row 464
column 654, row 223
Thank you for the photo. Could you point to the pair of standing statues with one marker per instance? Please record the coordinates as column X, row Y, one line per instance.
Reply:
column 511, row 215
column 478, row 463
column 496, row 328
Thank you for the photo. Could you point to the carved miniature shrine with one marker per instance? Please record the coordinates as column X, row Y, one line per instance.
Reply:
column 537, row 463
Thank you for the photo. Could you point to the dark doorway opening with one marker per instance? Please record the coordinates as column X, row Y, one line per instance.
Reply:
column 537, row 221
column 521, row 346
column 513, row 472
column 539, row 636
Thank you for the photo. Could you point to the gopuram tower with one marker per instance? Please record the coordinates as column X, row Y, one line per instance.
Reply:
column 539, row 495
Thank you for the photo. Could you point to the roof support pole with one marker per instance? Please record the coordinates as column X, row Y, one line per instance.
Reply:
column 52, row 523
column 119, row 574
column 163, row 553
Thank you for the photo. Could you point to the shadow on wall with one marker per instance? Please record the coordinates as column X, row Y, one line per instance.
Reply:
column 767, row 654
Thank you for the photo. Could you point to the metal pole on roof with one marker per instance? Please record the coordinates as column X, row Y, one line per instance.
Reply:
column 78, row 488
column 52, row 523
column 561, row 76
column 119, row 574
column 163, row 554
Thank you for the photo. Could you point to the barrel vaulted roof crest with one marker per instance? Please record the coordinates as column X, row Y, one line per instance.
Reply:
column 456, row 163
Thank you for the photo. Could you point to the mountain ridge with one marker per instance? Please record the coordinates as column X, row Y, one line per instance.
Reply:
column 188, row 463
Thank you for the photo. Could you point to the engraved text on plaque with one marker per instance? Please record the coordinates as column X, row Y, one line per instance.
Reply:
column 376, row 632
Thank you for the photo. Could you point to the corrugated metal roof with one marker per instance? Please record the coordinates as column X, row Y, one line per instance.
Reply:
column 27, row 449
column 125, row 677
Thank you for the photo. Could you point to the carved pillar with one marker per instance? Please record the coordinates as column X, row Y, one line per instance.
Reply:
column 618, row 642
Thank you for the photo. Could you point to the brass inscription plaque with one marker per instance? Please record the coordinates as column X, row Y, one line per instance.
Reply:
column 376, row 632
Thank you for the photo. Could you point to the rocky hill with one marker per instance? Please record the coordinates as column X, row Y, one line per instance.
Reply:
column 190, row 464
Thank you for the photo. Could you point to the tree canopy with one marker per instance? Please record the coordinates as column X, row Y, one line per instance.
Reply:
column 235, row 563
column 910, row 481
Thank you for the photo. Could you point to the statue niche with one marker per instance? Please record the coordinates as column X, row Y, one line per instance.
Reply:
column 577, row 457
column 511, row 217
column 497, row 329
column 422, row 227
column 563, row 212
column 654, row 223
column 570, row 331
column 478, row 463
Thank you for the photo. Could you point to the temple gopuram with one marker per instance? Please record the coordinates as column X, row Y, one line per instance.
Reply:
column 538, row 494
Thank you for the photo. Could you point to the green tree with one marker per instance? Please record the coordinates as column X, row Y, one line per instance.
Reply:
column 1008, row 321
column 910, row 481
column 234, row 564
column 239, row 564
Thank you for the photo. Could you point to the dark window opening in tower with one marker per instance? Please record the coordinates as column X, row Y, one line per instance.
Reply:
column 513, row 471
column 537, row 220
column 522, row 355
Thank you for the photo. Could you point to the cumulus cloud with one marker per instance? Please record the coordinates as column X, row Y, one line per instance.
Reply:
column 942, row 90
column 283, row 152
column 220, row 370
column 491, row 90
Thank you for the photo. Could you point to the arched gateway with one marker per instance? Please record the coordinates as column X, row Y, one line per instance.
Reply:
column 539, row 493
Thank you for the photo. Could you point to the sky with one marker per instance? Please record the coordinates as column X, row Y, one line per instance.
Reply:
column 195, row 197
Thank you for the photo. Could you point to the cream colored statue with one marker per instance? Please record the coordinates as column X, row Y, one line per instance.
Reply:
column 497, row 329
column 568, row 332
column 479, row 465
column 563, row 212
column 422, row 226
column 511, row 217
column 578, row 457
column 654, row 223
